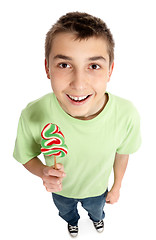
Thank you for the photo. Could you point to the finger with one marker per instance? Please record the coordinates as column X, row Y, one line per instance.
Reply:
column 54, row 188
column 50, row 171
column 52, row 180
column 56, row 173
column 107, row 198
column 60, row 167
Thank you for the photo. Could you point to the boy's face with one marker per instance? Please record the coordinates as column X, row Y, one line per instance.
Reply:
column 79, row 72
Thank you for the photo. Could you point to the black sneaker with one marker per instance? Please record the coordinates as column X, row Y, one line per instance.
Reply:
column 73, row 230
column 99, row 226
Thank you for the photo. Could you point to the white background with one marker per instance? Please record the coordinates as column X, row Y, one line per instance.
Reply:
column 27, row 211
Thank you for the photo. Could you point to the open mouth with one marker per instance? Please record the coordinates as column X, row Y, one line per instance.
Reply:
column 78, row 99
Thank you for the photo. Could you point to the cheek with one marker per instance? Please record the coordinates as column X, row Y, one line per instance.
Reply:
column 56, row 86
column 58, row 83
column 59, row 76
column 55, row 74
column 100, row 81
column 99, row 75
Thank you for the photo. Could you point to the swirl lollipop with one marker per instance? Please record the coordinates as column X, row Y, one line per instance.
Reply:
column 53, row 142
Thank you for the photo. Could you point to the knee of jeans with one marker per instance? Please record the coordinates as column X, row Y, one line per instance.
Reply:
column 65, row 208
column 64, row 212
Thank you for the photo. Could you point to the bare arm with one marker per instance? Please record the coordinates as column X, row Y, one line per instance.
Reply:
column 35, row 166
column 120, row 165
column 52, row 178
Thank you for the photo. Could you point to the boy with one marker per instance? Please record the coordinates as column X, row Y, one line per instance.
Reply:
column 100, row 129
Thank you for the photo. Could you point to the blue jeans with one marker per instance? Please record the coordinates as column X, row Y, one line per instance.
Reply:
column 68, row 207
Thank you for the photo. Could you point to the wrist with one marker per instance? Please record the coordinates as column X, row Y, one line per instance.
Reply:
column 41, row 171
column 116, row 187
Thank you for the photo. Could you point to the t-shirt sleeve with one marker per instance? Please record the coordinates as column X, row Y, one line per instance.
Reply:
column 132, row 139
column 26, row 147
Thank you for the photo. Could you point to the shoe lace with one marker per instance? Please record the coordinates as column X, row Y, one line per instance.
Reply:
column 73, row 228
column 99, row 224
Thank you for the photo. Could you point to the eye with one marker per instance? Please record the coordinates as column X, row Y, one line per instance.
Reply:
column 94, row 66
column 64, row 65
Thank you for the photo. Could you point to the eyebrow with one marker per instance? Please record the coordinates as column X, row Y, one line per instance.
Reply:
column 60, row 56
column 95, row 58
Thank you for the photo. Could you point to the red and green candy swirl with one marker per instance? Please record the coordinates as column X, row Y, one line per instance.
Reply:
column 53, row 142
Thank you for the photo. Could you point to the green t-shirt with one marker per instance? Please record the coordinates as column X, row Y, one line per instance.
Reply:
column 92, row 144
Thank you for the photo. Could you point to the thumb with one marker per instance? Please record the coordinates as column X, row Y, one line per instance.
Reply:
column 60, row 167
column 46, row 171
column 108, row 197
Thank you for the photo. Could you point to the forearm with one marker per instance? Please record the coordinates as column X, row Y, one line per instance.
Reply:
column 35, row 166
column 120, row 165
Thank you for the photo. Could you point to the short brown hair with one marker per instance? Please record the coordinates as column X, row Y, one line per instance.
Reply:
column 83, row 25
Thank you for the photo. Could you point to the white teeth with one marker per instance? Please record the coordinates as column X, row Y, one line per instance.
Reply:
column 78, row 98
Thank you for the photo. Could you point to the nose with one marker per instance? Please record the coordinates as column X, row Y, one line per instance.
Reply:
column 79, row 80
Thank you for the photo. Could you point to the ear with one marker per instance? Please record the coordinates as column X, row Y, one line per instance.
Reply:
column 47, row 69
column 111, row 70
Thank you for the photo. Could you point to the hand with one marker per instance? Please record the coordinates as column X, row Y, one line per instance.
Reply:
column 112, row 196
column 52, row 178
